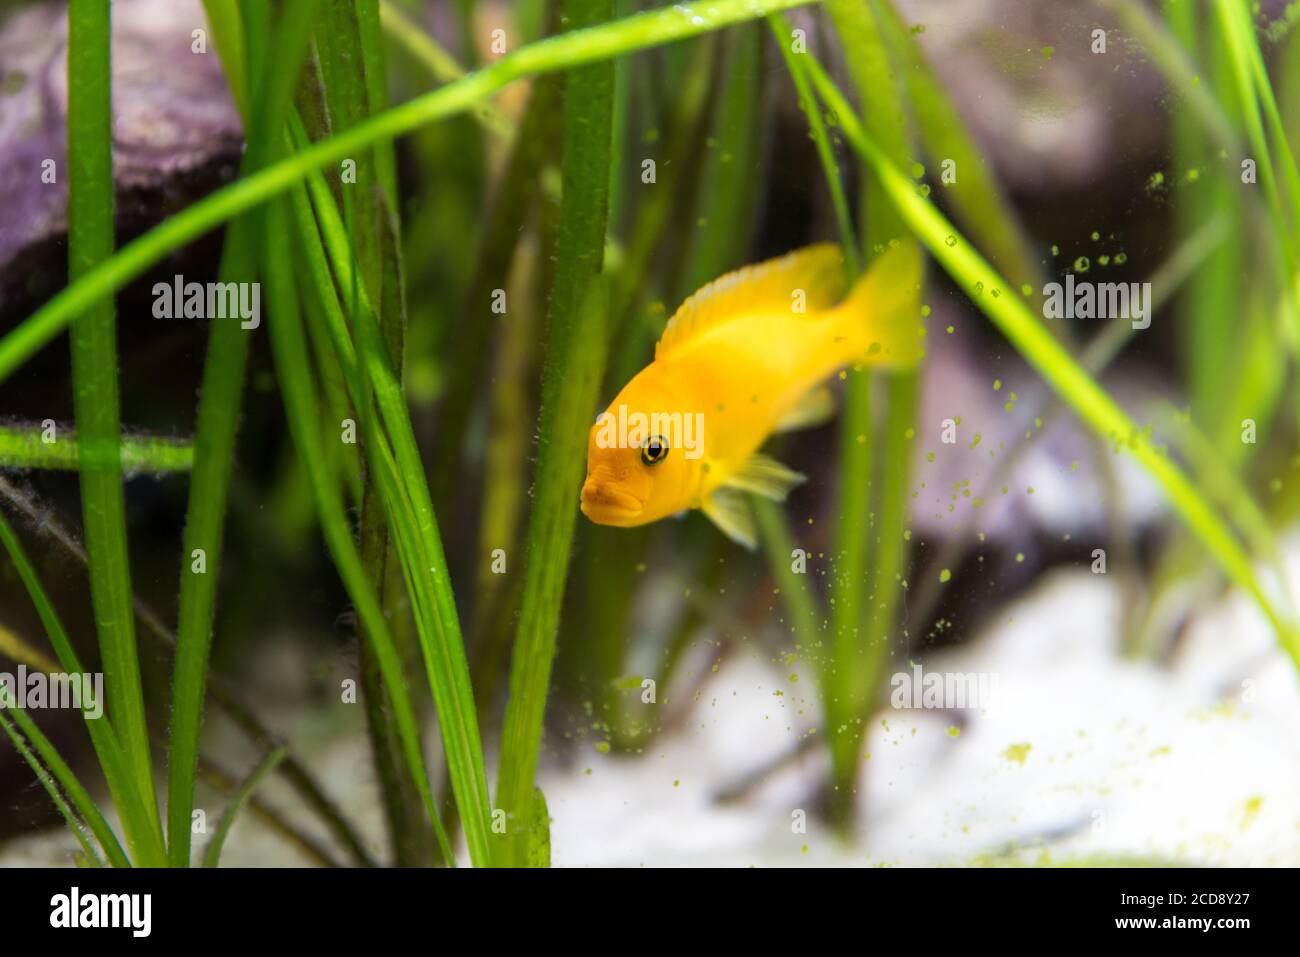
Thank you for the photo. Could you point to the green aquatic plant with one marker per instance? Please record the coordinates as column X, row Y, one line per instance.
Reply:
column 896, row 82
column 161, row 644
column 1062, row 372
column 44, row 448
column 96, row 403
column 405, row 496
column 574, row 363
column 289, row 344
column 1235, row 371
column 212, row 853
column 273, row 79
column 859, row 632
column 140, row 821
column 344, row 97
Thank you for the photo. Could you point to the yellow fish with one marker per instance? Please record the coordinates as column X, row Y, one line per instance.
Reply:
column 746, row 356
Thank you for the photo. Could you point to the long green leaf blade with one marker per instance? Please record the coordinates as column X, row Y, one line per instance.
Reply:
column 138, row 817
column 95, row 385
column 212, row 853
column 214, row 437
column 574, row 364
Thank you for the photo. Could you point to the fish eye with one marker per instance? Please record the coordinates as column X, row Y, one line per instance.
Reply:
column 655, row 450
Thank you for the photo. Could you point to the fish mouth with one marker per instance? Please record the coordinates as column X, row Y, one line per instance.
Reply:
column 606, row 505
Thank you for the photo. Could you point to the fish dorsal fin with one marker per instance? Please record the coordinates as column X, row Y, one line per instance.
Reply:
column 816, row 270
column 765, row 476
column 727, row 509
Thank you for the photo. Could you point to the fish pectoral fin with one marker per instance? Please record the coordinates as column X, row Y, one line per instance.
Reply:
column 816, row 407
column 765, row 476
column 728, row 510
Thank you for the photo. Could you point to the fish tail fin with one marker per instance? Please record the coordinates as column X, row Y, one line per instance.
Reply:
column 882, row 311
